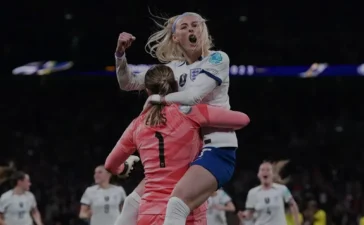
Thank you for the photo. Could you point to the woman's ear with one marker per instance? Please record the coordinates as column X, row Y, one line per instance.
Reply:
column 175, row 38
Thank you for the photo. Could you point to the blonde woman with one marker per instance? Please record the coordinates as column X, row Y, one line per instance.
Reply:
column 184, row 43
column 267, row 200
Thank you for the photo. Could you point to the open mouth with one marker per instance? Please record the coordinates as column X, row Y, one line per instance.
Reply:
column 192, row 38
column 265, row 177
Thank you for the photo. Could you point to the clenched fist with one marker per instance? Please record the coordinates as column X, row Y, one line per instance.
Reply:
column 125, row 40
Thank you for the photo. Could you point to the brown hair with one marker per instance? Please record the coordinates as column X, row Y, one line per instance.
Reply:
column 6, row 172
column 277, row 169
column 159, row 80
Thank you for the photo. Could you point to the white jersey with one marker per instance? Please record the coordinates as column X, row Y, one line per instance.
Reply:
column 205, row 81
column 104, row 203
column 215, row 216
column 269, row 204
column 17, row 208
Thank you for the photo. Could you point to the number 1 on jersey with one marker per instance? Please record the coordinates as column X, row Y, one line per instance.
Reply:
column 160, row 138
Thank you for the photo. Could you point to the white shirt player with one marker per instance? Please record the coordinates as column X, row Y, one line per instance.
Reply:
column 17, row 208
column 104, row 203
column 215, row 216
column 204, row 81
column 269, row 204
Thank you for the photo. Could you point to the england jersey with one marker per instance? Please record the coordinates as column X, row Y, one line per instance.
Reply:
column 17, row 208
column 104, row 203
column 269, row 204
column 205, row 81
column 215, row 216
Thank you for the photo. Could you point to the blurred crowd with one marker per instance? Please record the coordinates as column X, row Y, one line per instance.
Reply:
column 58, row 129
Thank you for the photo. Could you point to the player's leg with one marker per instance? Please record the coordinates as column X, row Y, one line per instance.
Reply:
column 129, row 213
column 212, row 169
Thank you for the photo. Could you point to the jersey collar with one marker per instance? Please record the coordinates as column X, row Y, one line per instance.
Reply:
column 185, row 62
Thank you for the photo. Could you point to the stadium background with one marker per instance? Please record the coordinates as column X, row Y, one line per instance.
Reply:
column 59, row 127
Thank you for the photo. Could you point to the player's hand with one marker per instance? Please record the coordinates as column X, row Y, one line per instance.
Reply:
column 242, row 215
column 128, row 166
column 124, row 42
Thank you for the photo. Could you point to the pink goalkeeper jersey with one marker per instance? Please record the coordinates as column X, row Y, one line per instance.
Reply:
column 167, row 151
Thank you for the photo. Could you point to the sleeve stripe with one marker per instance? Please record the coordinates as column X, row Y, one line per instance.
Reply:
column 217, row 79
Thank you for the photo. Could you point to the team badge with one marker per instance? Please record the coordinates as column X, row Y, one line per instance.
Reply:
column 21, row 204
column 267, row 200
column 182, row 79
column 194, row 73
column 106, row 198
column 215, row 58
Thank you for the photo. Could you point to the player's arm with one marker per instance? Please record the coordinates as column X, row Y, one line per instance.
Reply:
column 227, row 202
column 36, row 216
column 123, row 197
column 212, row 74
column 2, row 220
column 249, row 207
column 35, row 212
column 128, row 81
column 3, row 205
column 211, row 116
column 288, row 198
column 115, row 162
column 85, row 210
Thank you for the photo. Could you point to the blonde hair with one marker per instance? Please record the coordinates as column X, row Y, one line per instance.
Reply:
column 277, row 168
column 160, row 45
column 159, row 80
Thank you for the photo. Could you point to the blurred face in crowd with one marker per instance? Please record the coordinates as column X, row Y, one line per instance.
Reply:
column 25, row 183
column 312, row 205
column 101, row 175
column 188, row 32
column 265, row 173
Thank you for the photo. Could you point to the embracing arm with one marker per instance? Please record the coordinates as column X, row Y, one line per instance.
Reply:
column 213, row 73
column 211, row 116
column 122, row 150
column 191, row 96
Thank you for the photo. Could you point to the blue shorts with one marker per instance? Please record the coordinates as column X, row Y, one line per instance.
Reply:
column 220, row 162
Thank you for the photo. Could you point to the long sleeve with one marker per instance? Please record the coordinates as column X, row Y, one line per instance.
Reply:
column 211, row 116
column 213, row 73
column 122, row 150
column 202, row 86
column 128, row 81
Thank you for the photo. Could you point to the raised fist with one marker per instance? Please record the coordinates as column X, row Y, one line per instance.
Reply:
column 124, row 41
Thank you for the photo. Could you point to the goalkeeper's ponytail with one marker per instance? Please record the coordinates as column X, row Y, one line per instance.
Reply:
column 159, row 80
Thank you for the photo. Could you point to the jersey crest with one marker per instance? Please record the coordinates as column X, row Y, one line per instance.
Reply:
column 194, row 73
column 215, row 58
column 182, row 79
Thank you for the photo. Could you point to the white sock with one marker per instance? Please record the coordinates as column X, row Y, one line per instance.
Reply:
column 177, row 212
column 129, row 213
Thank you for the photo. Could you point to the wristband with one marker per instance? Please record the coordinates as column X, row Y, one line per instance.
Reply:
column 119, row 55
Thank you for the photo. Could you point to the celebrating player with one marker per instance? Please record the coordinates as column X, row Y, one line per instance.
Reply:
column 267, row 200
column 18, row 205
column 101, row 203
column 168, row 140
column 203, row 76
column 218, row 204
